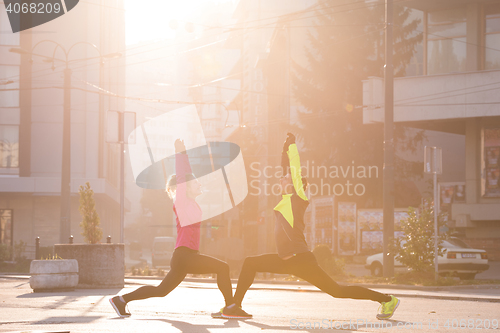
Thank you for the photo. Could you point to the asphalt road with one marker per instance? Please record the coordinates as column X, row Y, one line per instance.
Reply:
column 355, row 269
column 188, row 308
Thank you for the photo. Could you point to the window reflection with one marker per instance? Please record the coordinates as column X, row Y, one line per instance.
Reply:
column 9, row 146
column 5, row 227
column 492, row 37
column 416, row 65
column 9, row 120
column 446, row 41
column 446, row 56
column 6, row 35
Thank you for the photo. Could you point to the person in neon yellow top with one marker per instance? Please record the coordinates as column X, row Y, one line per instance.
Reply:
column 289, row 212
column 294, row 256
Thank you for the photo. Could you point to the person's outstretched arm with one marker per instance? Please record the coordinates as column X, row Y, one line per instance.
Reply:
column 285, row 164
column 294, row 162
column 182, row 169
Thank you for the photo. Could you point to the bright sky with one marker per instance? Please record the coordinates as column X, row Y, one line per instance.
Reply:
column 150, row 19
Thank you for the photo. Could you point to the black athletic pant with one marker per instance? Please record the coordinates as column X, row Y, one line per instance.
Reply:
column 187, row 261
column 304, row 266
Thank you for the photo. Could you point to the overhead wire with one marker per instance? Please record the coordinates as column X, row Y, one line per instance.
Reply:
column 287, row 95
column 270, row 18
column 209, row 44
column 248, row 29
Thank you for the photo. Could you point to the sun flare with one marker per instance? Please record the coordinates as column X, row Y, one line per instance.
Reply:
column 159, row 19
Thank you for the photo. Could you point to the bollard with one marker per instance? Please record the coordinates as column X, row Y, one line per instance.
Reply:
column 108, row 239
column 71, row 239
column 37, row 248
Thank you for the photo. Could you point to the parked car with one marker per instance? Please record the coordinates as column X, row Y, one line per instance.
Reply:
column 458, row 259
column 163, row 247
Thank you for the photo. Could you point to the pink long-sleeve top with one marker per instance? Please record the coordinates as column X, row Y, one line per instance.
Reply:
column 186, row 209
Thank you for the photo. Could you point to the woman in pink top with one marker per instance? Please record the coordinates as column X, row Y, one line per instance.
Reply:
column 186, row 259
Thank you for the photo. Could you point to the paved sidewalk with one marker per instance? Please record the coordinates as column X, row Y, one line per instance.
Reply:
column 490, row 293
column 276, row 307
column 484, row 293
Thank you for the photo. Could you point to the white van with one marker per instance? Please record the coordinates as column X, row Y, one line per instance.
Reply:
column 163, row 247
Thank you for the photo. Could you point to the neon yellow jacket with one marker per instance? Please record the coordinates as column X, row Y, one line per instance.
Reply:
column 289, row 228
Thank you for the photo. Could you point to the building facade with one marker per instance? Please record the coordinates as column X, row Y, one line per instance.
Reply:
column 457, row 93
column 31, row 119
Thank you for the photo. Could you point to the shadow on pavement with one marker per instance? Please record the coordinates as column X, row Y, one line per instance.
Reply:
column 187, row 327
column 73, row 293
column 67, row 320
column 289, row 327
column 348, row 328
column 65, row 300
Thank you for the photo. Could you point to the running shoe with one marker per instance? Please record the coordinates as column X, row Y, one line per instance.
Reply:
column 234, row 312
column 119, row 306
column 218, row 314
column 388, row 308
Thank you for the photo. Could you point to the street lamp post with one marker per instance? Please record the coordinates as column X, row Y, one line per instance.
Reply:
column 65, row 218
column 119, row 125
column 122, row 175
column 65, row 227
column 433, row 164
column 388, row 187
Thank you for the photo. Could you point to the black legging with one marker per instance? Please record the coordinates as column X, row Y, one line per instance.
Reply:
column 187, row 261
column 304, row 266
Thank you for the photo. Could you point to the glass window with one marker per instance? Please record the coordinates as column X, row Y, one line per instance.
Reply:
column 492, row 37
column 416, row 65
column 446, row 41
column 7, row 37
column 455, row 242
column 446, row 56
column 490, row 162
column 9, row 146
column 6, row 227
column 9, row 98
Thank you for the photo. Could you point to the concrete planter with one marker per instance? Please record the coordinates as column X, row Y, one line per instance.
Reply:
column 100, row 265
column 53, row 274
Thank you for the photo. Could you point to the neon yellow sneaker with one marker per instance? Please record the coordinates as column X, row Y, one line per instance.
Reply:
column 388, row 308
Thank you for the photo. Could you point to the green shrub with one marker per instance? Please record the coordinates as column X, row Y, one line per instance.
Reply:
column 415, row 249
column 52, row 257
column 19, row 251
column 424, row 279
column 45, row 252
column 90, row 223
column 5, row 252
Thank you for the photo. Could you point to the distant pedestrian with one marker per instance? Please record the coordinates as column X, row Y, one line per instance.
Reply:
column 293, row 255
column 186, row 258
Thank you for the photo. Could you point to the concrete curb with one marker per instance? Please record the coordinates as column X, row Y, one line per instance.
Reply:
column 303, row 283
column 256, row 286
column 452, row 298
column 366, row 285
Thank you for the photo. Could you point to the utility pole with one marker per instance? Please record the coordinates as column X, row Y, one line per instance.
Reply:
column 388, row 188
column 65, row 218
column 433, row 163
column 122, row 174
column 66, row 161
